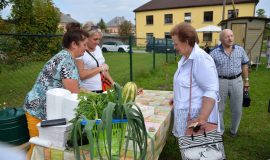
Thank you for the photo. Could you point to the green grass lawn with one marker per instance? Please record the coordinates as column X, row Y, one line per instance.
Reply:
column 254, row 132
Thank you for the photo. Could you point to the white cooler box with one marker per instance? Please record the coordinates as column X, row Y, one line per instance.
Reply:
column 70, row 102
column 57, row 135
column 54, row 101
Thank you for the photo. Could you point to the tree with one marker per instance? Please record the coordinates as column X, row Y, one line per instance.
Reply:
column 47, row 17
column 261, row 13
column 35, row 17
column 22, row 15
column 102, row 25
column 46, row 21
column 125, row 29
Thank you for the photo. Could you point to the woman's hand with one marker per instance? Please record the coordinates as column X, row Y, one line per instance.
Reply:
column 140, row 91
column 196, row 122
column 246, row 88
column 104, row 68
column 171, row 102
column 202, row 121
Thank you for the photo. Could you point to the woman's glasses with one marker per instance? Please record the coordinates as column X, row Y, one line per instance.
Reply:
column 94, row 28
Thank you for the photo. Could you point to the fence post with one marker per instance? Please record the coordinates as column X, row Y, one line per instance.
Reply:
column 154, row 54
column 130, row 58
column 269, row 106
column 166, row 49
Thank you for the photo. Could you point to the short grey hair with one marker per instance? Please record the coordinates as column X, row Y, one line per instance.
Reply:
column 222, row 33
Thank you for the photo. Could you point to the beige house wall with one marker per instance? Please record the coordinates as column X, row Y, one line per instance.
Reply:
column 197, row 20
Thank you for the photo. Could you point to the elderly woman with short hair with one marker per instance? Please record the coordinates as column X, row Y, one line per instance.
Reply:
column 195, row 82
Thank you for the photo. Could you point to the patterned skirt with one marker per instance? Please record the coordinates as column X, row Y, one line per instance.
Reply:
column 180, row 120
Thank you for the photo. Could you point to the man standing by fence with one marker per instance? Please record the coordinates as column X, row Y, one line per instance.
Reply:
column 231, row 61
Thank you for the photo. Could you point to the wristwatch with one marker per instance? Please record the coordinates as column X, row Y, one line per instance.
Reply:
column 246, row 79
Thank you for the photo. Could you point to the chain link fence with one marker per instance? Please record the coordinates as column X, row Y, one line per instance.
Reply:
column 22, row 56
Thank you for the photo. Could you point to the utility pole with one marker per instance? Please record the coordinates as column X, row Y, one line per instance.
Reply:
column 234, row 10
column 223, row 14
column 234, row 14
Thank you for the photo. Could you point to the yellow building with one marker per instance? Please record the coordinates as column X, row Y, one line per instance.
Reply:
column 157, row 17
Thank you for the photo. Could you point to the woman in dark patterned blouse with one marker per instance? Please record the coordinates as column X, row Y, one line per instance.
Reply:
column 59, row 72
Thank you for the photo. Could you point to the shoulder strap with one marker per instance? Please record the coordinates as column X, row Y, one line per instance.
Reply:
column 93, row 57
column 190, row 89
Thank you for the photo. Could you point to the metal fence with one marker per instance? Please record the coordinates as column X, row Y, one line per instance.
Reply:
column 22, row 56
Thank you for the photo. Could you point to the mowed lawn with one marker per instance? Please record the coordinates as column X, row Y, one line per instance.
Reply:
column 253, row 141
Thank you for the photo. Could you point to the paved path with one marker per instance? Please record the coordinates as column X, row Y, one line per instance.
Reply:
column 139, row 51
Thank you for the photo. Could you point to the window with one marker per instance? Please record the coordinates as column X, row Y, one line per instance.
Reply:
column 187, row 17
column 168, row 18
column 149, row 20
column 208, row 16
column 207, row 36
column 231, row 13
column 109, row 43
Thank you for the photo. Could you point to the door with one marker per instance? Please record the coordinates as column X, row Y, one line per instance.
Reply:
column 111, row 46
column 239, row 31
column 114, row 47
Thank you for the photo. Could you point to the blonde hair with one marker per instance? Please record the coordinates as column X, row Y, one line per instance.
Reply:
column 92, row 30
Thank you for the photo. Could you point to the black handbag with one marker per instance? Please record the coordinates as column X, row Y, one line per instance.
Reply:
column 246, row 99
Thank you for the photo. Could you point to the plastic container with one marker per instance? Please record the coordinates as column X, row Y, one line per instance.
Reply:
column 13, row 126
column 57, row 135
column 118, row 126
column 54, row 100
column 69, row 104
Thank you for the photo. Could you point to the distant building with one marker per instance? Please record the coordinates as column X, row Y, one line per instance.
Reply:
column 113, row 25
column 65, row 19
column 156, row 18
